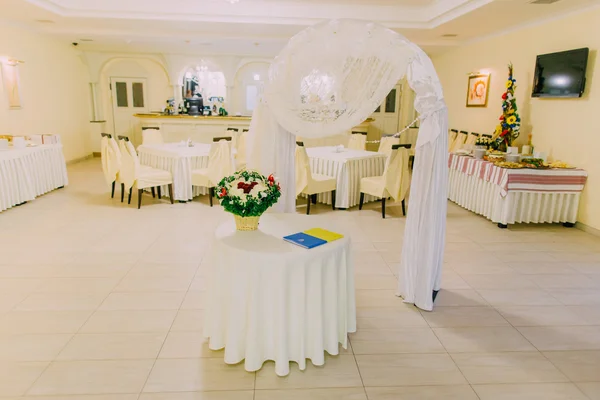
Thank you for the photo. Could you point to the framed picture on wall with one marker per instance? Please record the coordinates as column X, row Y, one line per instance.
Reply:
column 478, row 90
column 10, row 80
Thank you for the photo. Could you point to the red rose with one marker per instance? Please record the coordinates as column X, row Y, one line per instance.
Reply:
column 505, row 96
column 504, row 133
column 271, row 178
column 502, row 118
column 223, row 192
column 246, row 187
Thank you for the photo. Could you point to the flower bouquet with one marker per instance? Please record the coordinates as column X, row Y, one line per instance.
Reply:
column 247, row 195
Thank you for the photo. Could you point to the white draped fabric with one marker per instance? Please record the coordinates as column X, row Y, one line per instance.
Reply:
column 30, row 172
column 110, row 158
column 424, row 237
column 271, row 300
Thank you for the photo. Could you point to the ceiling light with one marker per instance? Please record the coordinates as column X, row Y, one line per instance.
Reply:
column 450, row 35
column 232, row 1
column 256, row 77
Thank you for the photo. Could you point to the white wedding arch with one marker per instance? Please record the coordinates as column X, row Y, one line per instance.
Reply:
column 329, row 78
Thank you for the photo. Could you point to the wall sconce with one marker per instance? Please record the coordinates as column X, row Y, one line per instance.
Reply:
column 10, row 61
column 256, row 77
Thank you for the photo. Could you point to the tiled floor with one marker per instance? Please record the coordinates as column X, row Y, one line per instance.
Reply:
column 99, row 300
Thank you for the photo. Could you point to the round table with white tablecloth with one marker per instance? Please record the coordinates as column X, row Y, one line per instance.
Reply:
column 348, row 167
column 179, row 160
column 272, row 300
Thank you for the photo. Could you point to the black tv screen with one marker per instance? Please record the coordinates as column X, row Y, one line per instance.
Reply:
column 561, row 74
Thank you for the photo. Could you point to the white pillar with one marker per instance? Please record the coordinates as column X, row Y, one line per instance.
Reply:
column 177, row 96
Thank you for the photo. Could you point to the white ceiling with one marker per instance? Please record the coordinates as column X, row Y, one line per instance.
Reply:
column 262, row 27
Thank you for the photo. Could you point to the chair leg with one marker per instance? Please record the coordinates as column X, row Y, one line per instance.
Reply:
column 171, row 193
column 112, row 192
column 129, row 198
column 308, row 200
column 362, row 201
column 140, row 192
column 211, row 194
column 159, row 193
column 403, row 208
column 383, row 207
column 333, row 200
column 122, row 191
column 153, row 192
column 314, row 198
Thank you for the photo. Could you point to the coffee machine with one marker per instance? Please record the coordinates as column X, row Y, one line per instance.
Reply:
column 195, row 105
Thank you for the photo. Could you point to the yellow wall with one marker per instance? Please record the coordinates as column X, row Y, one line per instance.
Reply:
column 568, row 129
column 54, row 90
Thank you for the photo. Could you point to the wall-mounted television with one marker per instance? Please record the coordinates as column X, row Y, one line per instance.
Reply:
column 561, row 74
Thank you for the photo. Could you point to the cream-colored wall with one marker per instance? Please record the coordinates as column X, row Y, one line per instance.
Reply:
column 243, row 78
column 566, row 128
column 54, row 90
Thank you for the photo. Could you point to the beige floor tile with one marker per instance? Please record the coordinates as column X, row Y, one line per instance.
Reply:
column 531, row 391
column 78, row 285
column 563, row 337
column 376, row 282
column 19, row 285
column 577, row 297
column 43, row 321
column 38, row 347
column 591, row 314
column 338, row 372
column 586, row 268
column 143, row 301
column 482, row 339
column 312, row 394
column 535, row 268
column 61, row 301
column 388, row 341
column 112, row 346
column 378, row 298
column 17, row 377
column 409, row 370
column 579, row 366
column 573, row 281
column 518, row 297
column 85, row 397
column 457, row 297
column 590, row 389
column 455, row 392
column 167, row 270
column 228, row 395
column 541, row 316
column 129, row 321
column 187, row 345
column 447, row 317
column 92, row 377
column 389, row 318
column 201, row 374
column 188, row 320
column 159, row 284
column 194, row 301
column 9, row 300
column 451, row 280
column 510, row 367
column 499, row 281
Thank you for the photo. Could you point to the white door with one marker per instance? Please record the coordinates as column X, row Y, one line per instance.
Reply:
column 387, row 116
column 128, row 97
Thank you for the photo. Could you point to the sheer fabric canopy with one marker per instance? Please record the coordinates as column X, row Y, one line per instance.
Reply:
column 328, row 79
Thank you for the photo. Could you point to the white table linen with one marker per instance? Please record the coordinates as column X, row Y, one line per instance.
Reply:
column 179, row 160
column 515, row 196
column 272, row 300
column 348, row 167
column 30, row 172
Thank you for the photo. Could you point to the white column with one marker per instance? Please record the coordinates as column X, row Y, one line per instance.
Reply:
column 229, row 104
column 177, row 96
column 95, row 102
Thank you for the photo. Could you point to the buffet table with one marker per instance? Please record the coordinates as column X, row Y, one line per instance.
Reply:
column 348, row 167
column 30, row 172
column 508, row 196
column 179, row 161
column 271, row 300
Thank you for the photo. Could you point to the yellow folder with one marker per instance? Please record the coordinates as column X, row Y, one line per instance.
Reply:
column 323, row 234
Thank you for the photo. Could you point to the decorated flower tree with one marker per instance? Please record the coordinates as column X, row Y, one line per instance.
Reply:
column 510, row 122
column 247, row 195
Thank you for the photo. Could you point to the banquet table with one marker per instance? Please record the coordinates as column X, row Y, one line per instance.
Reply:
column 29, row 172
column 271, row 300
column 348, row 167
column 508, row 196
column 179, row 160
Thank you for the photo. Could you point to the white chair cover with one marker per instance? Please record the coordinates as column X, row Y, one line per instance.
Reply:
column 302, row 169
column 395, row 180
column 142, row 176
column 110, row 157
column 458, row 143
column 472, row 139
column 128, row 172
column 386, row 143
column 357, row 142
column 219, row 165
column 451, row 138
column 152, row 136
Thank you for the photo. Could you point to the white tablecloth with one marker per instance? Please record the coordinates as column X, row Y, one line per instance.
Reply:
column 272, row 300
column 30, row 172
column 179, row 160
column 348, row 167
column 515, row 196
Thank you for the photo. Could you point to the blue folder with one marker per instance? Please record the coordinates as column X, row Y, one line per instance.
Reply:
column 304, row 240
